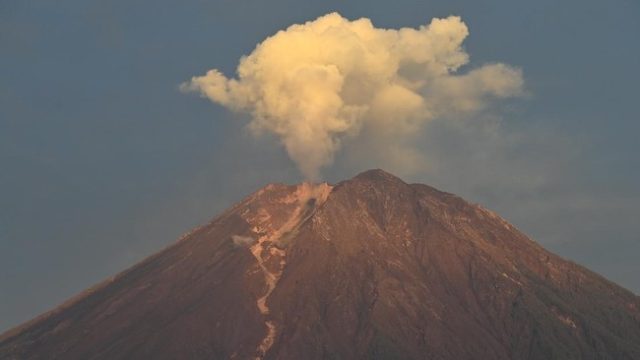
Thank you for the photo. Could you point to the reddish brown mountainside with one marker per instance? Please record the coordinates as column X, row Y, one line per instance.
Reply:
column 369, row 268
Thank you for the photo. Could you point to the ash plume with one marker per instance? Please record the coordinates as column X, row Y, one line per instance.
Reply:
column 318, row 84
column 242, row 241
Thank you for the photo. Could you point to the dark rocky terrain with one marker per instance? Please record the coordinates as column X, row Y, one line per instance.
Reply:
column 371, row 268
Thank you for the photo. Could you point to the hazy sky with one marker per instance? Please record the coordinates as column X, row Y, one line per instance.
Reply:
column 104, row 161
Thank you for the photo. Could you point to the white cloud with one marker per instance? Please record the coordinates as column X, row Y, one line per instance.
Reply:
column 318, row 84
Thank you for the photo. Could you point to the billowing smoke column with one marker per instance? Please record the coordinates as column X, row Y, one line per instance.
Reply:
column 316, row 84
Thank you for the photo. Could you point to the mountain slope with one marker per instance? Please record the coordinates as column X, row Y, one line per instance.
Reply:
column 369, row 268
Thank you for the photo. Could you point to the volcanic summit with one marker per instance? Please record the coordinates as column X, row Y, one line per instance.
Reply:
column 369, row 268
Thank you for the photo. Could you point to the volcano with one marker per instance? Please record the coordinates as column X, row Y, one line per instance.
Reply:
column 369, row 268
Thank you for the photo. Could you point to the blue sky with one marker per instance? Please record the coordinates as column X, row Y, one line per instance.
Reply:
column 103, row 161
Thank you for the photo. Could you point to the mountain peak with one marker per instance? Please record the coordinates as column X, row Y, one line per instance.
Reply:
column 377, row 175
column 371, row 268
